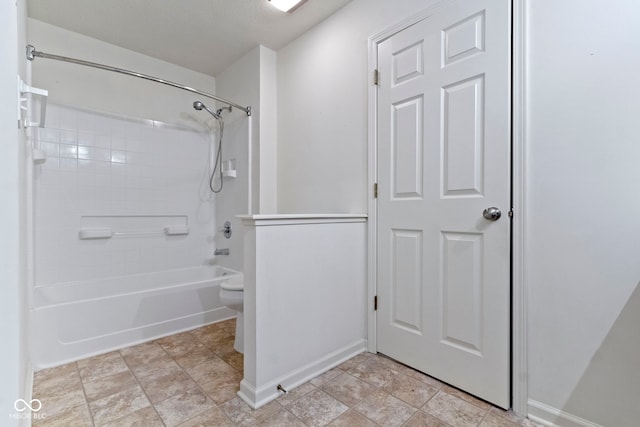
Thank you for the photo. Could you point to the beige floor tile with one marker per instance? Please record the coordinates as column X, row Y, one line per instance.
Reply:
column 317, row 408
column 385, row 409
column 101, row 366
column 347, row 389
column 466, row 397
column 408, row 371
column 356, row 360
column 154, row 368
column 209, row 418
column 212, row 337
column 59, row 401
column 224, row 387
column 224, row 348
column 56, row 380
column 146, row 417
column 281, row 418
column 296, row 393
column 105, row 386
column 181, row 407
column 384, row 359
column 410, row 390
column 242, row 415
column 494, row 420
column 53, row 373
column 422, row 419
column 424, row 378
column 76, row 416
column 235, row 360
column 352, row 418
column 375, row 370
column 323, row 378
column 454, row 411
column 228, row 325
column 196, row 356
column 511, row 416
column 211, row 328
column 159, row 388
column 118, row 405
column 209, row 370
column 142, row 354
column 178, row 345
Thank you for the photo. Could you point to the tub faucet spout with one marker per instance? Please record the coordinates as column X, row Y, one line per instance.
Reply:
column 221, row 252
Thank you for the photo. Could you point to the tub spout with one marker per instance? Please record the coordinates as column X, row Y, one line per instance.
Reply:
column 221, row 252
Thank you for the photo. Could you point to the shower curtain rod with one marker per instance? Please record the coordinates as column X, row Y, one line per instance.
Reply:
column 32, row 53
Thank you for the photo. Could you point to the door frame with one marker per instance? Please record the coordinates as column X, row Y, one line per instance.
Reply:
column 519, row 344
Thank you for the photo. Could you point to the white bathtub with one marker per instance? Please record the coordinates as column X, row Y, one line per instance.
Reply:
column 71, row 321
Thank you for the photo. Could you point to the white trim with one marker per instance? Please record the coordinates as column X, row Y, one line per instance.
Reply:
column 372, row 173
column 297, row 219
column 28, row 393
column 430, row 10
column 251, row 190
column 320, row 216
column 30, row 258
column 519, row 366
column 519, row 301
column 554, row 417
column 259, row 397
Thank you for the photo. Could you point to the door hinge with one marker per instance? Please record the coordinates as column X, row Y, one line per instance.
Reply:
column 375, row 190
column 376, row 77
column 375, row 303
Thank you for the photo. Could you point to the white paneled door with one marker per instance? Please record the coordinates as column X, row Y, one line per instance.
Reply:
column 443, row 154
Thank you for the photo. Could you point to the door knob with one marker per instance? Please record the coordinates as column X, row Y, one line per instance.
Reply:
column 492, row 214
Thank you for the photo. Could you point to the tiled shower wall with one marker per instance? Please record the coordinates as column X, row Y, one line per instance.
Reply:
column 134, row 175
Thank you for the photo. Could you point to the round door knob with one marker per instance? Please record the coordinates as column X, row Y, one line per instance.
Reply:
column 492, row 214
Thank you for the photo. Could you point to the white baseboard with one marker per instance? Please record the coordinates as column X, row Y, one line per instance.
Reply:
column 553, row 417
column 28, row 392
column 257, row 397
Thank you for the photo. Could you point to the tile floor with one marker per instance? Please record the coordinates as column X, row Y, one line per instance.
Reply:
column 191, row 379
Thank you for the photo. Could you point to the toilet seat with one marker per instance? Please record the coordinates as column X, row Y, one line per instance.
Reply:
column 233, row 284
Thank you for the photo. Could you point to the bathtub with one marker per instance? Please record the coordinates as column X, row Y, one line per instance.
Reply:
column 71, row 321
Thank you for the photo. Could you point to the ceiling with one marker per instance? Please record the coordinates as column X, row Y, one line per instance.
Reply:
column 202, row 35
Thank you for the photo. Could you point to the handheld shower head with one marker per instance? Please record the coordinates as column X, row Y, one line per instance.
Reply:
column 217, row 164
column 198, row 105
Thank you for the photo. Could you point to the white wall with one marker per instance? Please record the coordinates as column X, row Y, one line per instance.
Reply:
column 268, row 132
column 583, row 228
column 322, row 109
column 14, row 359
column 105, row 91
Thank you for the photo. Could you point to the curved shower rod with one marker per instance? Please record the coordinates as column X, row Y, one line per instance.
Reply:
column 32, row 53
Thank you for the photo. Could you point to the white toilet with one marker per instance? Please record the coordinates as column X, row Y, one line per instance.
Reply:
column 232, row 295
